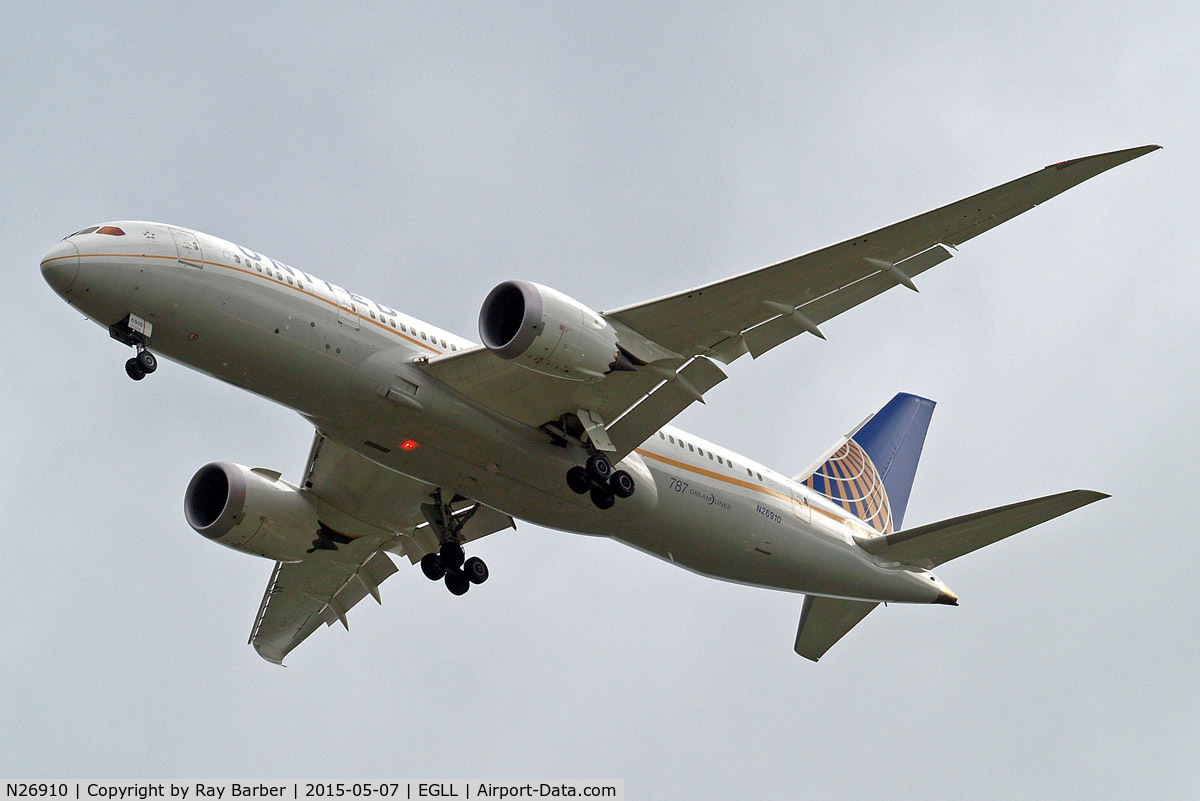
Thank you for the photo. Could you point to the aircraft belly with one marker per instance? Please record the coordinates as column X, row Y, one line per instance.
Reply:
column 254, row 337
column 691, row 528
column 712, row 531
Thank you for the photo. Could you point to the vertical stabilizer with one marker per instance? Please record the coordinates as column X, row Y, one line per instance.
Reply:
column 870, row 471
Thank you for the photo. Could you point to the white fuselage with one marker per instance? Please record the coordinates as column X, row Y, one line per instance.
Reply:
column 337, row 358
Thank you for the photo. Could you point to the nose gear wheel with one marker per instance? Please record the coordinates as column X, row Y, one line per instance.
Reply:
column 138, row 337
column 133, row 370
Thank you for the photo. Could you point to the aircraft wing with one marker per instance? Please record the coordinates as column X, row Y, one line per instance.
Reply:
column 724, row 319
column 321, row 589
column 358, row 496
column 643, row 396
column 749, row 313
column 381, row 510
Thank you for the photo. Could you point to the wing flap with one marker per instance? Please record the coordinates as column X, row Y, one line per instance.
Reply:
column 824, row 621
column 763, row 338
column 937, row 543
column 663, row 404
column 321, row 589
column 484, row 520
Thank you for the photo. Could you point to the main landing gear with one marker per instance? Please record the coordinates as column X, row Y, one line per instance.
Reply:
column 598, row 479
column 450, row 563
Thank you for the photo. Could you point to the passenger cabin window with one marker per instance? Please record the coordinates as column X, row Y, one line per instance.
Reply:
column 424, row 337
column 690, row 448
column 443, row 343
column 671, row 439
column 289, row 280
column 661, row 435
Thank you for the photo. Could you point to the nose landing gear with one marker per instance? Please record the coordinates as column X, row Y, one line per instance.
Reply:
column 141, row 365
column 598, row 479
column 450, row 564
column 135, row 332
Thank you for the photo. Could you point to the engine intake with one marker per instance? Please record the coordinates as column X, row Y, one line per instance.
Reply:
column 250, row 511
column 543, row 330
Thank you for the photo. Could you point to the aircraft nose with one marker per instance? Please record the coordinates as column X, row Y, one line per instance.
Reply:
column 60, row 266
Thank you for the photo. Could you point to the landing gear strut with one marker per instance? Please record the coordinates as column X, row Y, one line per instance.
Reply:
column 598, row 479
column 449, row 563
column 135, row 332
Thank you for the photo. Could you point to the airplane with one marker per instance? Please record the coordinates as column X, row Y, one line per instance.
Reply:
column 426, row 441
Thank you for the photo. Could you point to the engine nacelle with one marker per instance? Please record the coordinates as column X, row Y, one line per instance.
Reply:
column 544, row 330
column 250, row 511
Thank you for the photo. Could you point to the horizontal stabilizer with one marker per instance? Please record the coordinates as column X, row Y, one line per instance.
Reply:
column 824, row 621
column 938, row 543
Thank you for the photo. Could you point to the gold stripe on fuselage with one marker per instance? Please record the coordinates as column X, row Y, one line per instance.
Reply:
column 737, row 482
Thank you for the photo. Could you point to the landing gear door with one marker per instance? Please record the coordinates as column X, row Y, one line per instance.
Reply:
column 188, row 248
column 347, row 308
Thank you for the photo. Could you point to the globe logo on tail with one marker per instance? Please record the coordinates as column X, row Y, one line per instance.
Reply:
column 849, row 479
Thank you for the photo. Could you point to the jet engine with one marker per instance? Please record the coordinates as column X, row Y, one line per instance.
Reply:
column 544, row 330
column 252, row 511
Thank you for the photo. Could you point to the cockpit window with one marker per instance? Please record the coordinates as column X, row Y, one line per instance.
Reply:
column 85, row 231
column 111, row 230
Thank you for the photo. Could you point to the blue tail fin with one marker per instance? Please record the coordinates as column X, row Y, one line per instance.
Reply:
column 870, row 471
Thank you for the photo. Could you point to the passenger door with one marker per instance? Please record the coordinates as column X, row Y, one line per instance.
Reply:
column 187, row 247
column 347, row 308
column 800, row 508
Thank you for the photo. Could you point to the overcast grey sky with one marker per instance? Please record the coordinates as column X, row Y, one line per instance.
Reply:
column 420, row 156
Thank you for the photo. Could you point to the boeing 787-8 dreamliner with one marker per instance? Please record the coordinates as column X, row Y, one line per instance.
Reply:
column 426, row 441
